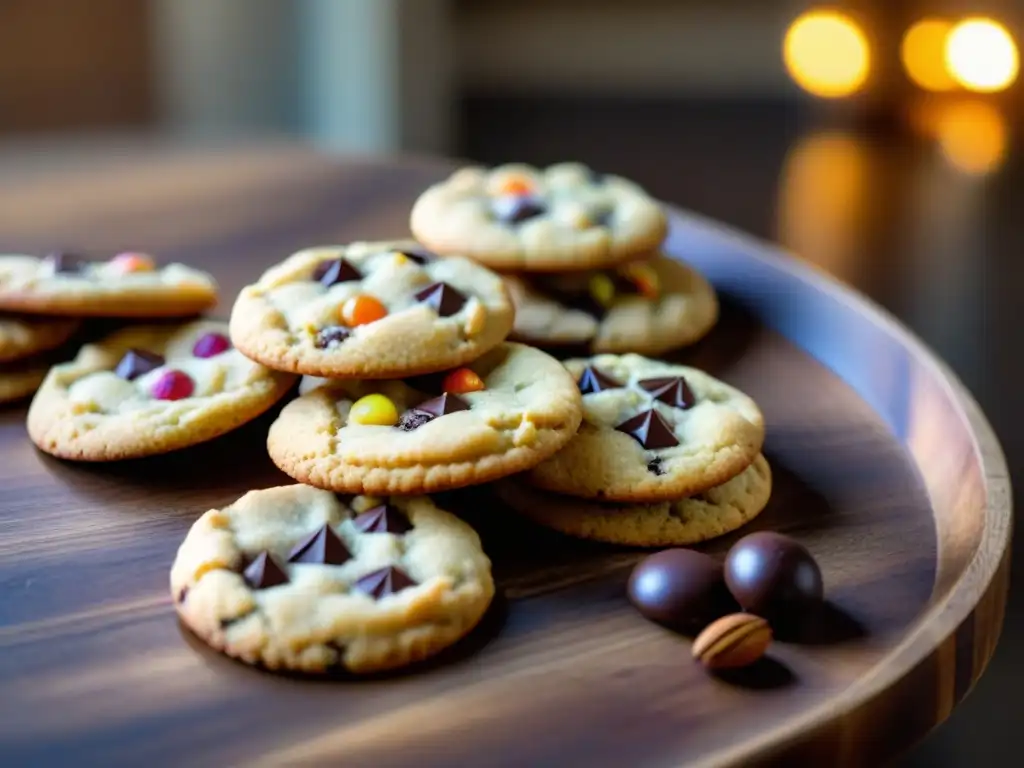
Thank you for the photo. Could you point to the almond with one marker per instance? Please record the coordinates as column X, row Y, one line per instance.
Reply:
column 736, row 640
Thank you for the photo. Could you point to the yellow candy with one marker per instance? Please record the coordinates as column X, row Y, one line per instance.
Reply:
column 602, row 289
column 373, row 409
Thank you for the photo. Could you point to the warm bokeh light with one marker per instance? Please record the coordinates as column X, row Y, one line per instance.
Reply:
column 981, row 55
column 923, row 51
column 827, row 54
column 973, row 136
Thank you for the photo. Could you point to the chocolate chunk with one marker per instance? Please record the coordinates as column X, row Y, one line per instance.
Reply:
column 513, row 209
column 66, row 263
column 263, row 572
column 602, row 216
column 650, row 430
column 334, row 271
column 670, row 389
column 654, row 466
column 772, row 575
column 420, row 255
column 331, row 336
column 322, row 547
column 411, row 420
column 592, row 380
column 443, row 405
column 382, row 519
column 137, row 362
column 681, row 588
column 386, row 581
column 444, row 299
column 183, row 594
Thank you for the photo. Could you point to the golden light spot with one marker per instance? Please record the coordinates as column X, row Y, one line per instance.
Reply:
column 973, row 136
column 981, row 55
column 923, row 52
column 826, row 54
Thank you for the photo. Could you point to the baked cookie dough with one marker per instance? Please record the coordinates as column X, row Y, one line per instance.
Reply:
column 648, row 307
column 296, row 578
column 19, row 380
column 22, row 336
column 561, row 218
column 128, row 285
column 150, row 390
column 689, row 520
column 504, row 413
column 371, row 310
column 652, row 431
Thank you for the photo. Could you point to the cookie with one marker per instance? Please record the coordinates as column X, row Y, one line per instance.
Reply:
column 517, row 217
column 296, row 578
column 20, row 379
column 128, row 285
column 648, row 307
column 652, row 431
column 371, row 310
column 504, row 413
column 689, row 520
column 150, row 390
column 22, row 337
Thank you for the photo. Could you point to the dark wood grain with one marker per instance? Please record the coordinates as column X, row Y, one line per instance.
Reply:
column 885, row 469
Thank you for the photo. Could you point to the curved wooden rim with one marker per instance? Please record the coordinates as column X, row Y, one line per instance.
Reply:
column 949, row 611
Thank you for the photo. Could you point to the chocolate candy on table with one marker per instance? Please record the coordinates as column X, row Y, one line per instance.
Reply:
column 263, row 572
column 772, row 575
column 680, row 588
column 592, row 380
column 137, row 362
column 513, row 209
column 672, row 390
column 444, row 299
column 383, row 582
column 322, row 547
column 650, row 430
column 383, row 518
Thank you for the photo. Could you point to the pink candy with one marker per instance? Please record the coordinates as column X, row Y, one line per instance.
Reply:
column 173, row 385
column 211, row 345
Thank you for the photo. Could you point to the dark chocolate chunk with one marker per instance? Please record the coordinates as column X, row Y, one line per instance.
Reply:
column 654, row 466
column 411, row 420
column 513, row 209
column 592, row 380
column 772, row 575
column 182, row 594
column 137, row 362
column 263, row 572
column 322, row 547
column 386, row 581
column 384, row 518
column 331, row 336
column 66, row 263
column 681, row 588
column 334, row 271
column 650, row 430
column 420, row 255
column 443, row 405
column 672, row 390
column 444, row 299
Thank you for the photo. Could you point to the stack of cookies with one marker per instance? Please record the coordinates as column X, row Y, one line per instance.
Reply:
column 580, row 252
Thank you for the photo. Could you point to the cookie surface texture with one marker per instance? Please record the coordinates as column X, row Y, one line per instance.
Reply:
column 20, row 379
column 647, row 307
column 148, row 390
column 516, row 217
column 689, row 520
column 371, row 310
column 418, row 439
column 126, row 285
column 652, row 431
column 24, row 336
column 296, row 578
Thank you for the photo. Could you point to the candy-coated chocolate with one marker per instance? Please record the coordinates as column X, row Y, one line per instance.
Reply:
column 515, row 186
column 211, row 345
column 375, row 409
column 681, row 588
column 772, row 575
column 361, row 310
column 173, row 385
column 462, row 380
column 133, row 262
column 602, row 289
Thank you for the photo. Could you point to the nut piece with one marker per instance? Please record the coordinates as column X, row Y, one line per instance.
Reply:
column 736, row 640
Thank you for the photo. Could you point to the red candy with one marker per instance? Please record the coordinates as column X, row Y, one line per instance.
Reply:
column 211, row 345
column 173, row 385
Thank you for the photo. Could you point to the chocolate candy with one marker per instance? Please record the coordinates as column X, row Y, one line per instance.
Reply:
column 66, row 263
column 654, row 466
column 411, row 420
column 173, row 385
column 650, row 430
column 334, row 271
column 672, row 390
column 264, row 573
column 772, row 575
column 211, row 345
column 386, row 581
column 592, row 380
column 322, row 547
column 382, row 519
column 444, row 299
column 681, row 588
column 443, row 405
column 420, row 256
column 137, row 362
column 513, row 209
column 331, row 336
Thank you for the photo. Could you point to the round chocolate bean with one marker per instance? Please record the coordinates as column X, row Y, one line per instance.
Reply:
column 772, row 575
column 680, row 588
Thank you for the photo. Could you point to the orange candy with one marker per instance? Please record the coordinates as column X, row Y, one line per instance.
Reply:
column 644, row 278
column 462, row 380
column 133, row 262
column 515, row 186
column 362, row 309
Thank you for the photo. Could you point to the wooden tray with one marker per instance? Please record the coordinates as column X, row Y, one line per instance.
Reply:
column 884, row 467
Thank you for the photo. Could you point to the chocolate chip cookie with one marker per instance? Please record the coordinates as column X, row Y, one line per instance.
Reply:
column 561, row 218
column 296, row 578
column 503, row 413
column 371, row 310
column 652, row 431
column 22, row 336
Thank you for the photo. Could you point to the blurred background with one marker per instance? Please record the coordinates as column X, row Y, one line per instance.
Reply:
column 877, row 139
